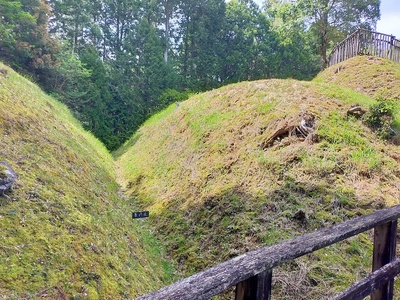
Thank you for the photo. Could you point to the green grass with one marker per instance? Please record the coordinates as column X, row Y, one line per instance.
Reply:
column 372, row 76
column 201, row 170
column 337, row 129
column 212, row 190
column 66, row 233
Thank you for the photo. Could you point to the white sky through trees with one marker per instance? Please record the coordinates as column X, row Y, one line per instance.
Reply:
column 390, row 17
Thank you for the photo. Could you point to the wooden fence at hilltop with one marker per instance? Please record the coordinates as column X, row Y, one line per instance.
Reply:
column 364, row 42
column 251, row 273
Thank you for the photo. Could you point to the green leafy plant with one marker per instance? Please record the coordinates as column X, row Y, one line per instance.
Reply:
column 170, row 96
column 380, row 117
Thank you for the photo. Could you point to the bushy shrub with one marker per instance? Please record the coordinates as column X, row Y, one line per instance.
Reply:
column 170, row 96
column 380, row 117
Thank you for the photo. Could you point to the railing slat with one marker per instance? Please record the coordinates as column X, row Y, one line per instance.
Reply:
column 255, row 288
column 384, row 253
column 364, row 42
column 369, row 284
column 215, row 280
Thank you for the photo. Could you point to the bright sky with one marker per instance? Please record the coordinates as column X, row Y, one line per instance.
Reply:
column 390, row 17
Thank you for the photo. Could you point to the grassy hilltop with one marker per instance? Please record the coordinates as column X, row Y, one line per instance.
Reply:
column 65, row 232
column 373, row 76
column 216, row 187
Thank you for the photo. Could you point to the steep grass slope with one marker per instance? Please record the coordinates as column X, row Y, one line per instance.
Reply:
column 65, row 233
column 373, row 76
column 216, row 188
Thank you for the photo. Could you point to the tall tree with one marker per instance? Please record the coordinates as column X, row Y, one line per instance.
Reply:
column 169, row 8
column 68, row 79
column 98, row 99
column 202, row 26
column 248, row 54
column 72, row 21
column 24, row 40
column 13, row 19
column 293, row 48
column 332, row 20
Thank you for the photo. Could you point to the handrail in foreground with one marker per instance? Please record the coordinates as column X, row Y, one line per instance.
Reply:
column 252, row 271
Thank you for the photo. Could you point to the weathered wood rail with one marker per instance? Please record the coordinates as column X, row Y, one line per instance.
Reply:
column 251, row 273
column 364, row 42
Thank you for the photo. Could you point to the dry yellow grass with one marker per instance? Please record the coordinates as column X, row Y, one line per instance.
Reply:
column 373, row 76
column 213, row 142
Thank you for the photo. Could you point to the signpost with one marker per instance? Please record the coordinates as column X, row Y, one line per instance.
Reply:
column 140, row 214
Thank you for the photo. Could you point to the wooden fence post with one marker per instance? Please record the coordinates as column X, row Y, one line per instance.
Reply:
column 391, row 47
column 255, row 288
column 384, row 253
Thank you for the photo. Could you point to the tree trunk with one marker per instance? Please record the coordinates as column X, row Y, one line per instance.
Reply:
column 168, row 11
column 324, row 39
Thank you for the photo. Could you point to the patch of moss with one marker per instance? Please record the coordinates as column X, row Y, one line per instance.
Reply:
column 66, row 232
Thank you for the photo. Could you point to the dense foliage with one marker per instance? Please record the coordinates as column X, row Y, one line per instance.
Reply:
column 111, row 61
column 380, row 117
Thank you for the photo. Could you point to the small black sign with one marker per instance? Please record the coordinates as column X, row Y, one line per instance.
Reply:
column 140, row 214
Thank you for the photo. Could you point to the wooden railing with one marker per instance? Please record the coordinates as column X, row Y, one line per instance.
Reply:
column 364, row 42
column 251, row 273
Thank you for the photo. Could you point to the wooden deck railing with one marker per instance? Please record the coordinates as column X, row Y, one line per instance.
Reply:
column 364, row 42
column 251, row 273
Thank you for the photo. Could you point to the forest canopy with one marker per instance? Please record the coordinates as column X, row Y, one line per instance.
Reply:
column 116, row 62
